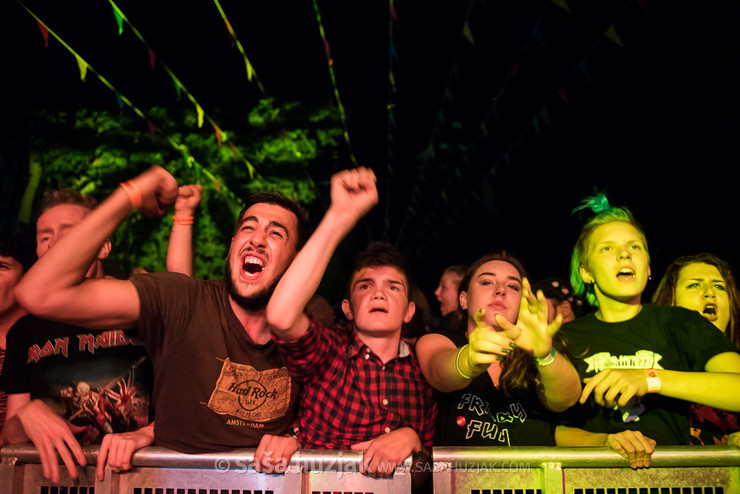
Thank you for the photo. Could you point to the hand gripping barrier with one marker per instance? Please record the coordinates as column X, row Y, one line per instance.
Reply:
column 543, row 470
column 163, row 471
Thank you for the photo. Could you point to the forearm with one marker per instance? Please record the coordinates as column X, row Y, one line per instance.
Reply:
column 559, row 385
column 573, row 436
column 300, row 281
column 437, row 356
column 180, row 249
column 706, row 388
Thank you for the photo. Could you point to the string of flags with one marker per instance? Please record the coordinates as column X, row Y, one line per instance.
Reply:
column 85, row 67
column 330, row 65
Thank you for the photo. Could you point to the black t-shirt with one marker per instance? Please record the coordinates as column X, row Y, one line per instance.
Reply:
column 658, row 337
column 215, row 389
column 482, row 415
column 101, row 379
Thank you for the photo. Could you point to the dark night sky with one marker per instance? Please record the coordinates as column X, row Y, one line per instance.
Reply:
column 653, row 123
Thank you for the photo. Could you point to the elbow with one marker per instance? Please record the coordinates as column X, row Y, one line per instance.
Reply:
column 278, row 320
column 32, row 300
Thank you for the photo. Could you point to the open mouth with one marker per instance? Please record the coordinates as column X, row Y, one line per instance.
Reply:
column 626, row 273
column 378, row 309
column 253, row 265
column 710, row 310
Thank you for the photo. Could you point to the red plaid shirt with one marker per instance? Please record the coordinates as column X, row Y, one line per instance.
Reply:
column 350, row 396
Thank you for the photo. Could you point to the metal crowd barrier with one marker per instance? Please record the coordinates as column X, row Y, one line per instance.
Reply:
column 541, row 470
column 162, row 471
column 531, row 470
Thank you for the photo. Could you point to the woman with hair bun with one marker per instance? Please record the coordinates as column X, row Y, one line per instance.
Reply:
column 643, row 364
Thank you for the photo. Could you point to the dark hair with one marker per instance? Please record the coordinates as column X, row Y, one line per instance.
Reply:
column 665, row 294
column 379, row 253
column 303, row 225
column 18, row 246
column 604, row 213
column 54, row 197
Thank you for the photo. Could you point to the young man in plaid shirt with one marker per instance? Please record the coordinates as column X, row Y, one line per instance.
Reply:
column 363, row 390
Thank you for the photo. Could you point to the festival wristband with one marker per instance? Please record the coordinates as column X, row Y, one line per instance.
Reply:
column 133, row 192
column 653, row 381
column 457, row 363
column 545, row 361
column 182, row 220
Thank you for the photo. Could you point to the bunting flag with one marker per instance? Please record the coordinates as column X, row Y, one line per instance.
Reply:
column 82, row 65
column 613, row 35
column 44, row 33
column 468, row 33
column 251, row 73
column 330, row 64
column 85, row 67
column 119, row 20
column 180, row 88
column 562, row 5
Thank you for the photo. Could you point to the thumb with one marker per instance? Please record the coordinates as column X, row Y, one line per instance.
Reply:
column 510, row 330
column 361, row 446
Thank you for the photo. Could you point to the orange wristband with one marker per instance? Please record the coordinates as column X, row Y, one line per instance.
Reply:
column 653, row 381
column 133, row 192
column 182, row 220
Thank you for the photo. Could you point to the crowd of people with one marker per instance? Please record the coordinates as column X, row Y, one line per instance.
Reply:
column 257, row 359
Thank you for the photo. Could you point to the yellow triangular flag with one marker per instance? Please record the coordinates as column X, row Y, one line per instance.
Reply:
column 613, row 35
column 468, row 34
column 562, row 5
column 83, row 67
column 200, row 112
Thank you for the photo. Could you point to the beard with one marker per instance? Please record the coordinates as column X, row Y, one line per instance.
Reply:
column 252, row 303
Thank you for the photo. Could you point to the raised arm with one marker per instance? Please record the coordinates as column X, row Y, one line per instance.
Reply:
column 56, row 288
column 180, row 246
column 353, row 194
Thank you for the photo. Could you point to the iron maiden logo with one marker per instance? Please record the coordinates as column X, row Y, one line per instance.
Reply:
column 86, row 342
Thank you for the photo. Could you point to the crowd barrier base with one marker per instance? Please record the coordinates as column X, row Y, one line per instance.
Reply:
column 533, row 470
column 538, row 470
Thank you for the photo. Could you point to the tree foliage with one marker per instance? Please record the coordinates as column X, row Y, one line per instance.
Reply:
column 278, row 148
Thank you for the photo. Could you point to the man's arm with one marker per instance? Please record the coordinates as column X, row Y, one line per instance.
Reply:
column 56, row 288
column 353, row 194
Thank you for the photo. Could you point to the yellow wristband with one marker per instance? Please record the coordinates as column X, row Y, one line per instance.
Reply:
column 545, row 361
column 457, row 363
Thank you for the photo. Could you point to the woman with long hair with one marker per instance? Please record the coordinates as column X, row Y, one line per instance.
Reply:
column 705, row 283
column 498, row 379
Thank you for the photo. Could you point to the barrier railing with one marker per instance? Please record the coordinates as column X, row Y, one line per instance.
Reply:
column 541, row 470
column 531, row 470
column 162, row 471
